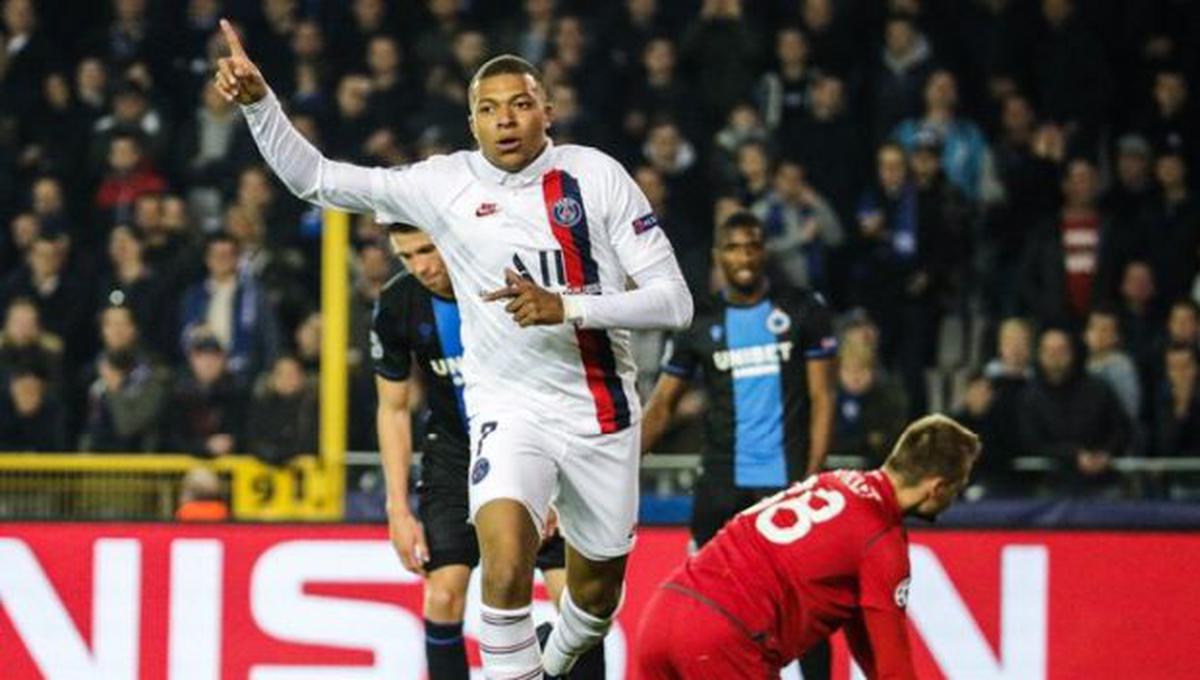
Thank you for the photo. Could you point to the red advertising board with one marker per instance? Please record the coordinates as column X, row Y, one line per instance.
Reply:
column 271, row 602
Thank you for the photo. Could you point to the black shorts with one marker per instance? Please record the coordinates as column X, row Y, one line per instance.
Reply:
column 442, row 508
column 716, row 501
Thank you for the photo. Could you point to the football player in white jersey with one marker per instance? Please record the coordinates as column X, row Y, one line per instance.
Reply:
column 540, row 242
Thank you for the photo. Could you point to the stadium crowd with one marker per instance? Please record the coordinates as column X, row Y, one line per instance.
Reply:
column 994, row 194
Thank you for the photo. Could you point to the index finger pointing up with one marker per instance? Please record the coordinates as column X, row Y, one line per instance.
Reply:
column 232, row 39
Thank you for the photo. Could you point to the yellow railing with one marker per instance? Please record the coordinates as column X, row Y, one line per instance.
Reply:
column 144, row 486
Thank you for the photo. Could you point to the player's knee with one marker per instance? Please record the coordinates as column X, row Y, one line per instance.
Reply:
column 597, row 597
column 444, row 604
column 508, row 581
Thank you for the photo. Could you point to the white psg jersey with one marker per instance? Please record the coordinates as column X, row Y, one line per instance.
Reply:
column 573, row 221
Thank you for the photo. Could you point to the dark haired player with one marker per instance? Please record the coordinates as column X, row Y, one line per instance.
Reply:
column 829, row 553
column 541, row 241
column 765, row 352
column 416, row 318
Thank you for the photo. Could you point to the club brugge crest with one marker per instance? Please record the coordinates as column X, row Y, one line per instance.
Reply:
column 778, row 322
column 567, row 212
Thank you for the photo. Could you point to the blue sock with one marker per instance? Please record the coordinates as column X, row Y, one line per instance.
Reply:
column 445, row 651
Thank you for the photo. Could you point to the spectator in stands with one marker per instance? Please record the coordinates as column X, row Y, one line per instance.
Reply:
column 901, row 258
column 1171, row 228
column 64, row 301
column 1106, row 360
column 53, row 144
column 200, row 497
column 754, row 170
column 132, row 115
column 1132, row 193
column 1176, row 414
column 233, row 308
column 674, row 157
column 1069, row 263
column 830, row 35
column 1177, row 405
column 22, row 232
column 977, row 412
column 29, row 56
column 30, row 417
column 531, row 35
column 368, row 19
column 800, row 227
column 209, row 146
column 783, row 94
column 944, row 214
column 904, row 66
column 283, row 414
column 996, row 39
column 25, row 346
column 580, row 64
column 657, row 93
column 91, row 88
column 1074, row 419
column 394, row 97
column 1071, row 77
column 744, row 125
column 965, row 154
column 871, row 410
column 129, row 36
column 633, row 28
column 354, row 121
column 207, row 410
column 1141, row 320
column 828, row 146
column 129, row 176
column 132, row 284
column 1170, row 122
column 308, row 343
column 1027, row 167
column 721, row 51
column 1183, row 323
column 1008, row 374
column 444, row 21
column 48, row 201
column 126, row 403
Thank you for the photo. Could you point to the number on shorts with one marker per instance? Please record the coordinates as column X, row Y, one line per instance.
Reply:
column 833, row 502
column 484, row 430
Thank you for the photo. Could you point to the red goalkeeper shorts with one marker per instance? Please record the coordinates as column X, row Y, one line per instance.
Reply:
column 684, row 638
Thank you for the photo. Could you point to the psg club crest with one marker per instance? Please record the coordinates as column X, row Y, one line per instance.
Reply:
column 481, row 469
column 778, row 322
column 567, row 212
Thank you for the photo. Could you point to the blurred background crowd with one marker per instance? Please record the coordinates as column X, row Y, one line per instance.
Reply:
column 996, row 196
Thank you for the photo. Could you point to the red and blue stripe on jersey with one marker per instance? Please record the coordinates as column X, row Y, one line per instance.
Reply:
column 568, row 222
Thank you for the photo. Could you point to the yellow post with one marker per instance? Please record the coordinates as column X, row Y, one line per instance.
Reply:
column 335, row 326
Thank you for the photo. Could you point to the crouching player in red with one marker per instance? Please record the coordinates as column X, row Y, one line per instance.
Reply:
column 829, row 553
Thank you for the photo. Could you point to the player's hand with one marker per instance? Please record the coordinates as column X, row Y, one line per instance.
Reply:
column 551, row 526
column 408, row 539
column 529, row 304
column 237, row 78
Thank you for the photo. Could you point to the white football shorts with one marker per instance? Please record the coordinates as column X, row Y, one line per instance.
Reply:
column 592, row 480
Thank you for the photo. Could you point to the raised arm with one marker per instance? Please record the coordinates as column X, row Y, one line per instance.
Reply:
column 300, row 166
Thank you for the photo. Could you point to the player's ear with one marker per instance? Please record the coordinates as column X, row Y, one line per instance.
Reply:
column 548, row 109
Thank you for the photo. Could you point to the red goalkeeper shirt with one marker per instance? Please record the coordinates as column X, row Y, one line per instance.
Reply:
column 828, row 553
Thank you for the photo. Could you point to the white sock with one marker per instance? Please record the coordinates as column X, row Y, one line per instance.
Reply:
column 509, row 645
column 576, row 632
